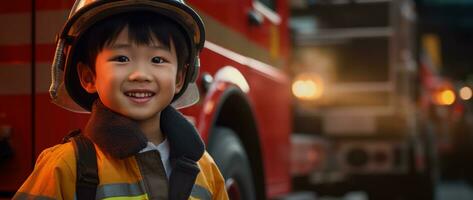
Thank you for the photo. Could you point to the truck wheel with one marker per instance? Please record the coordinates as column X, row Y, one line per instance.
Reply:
column 232, row 160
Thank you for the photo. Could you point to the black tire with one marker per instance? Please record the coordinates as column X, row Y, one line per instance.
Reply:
column 232, row 160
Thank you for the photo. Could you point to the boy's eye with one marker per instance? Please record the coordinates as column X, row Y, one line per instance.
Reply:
column 121, row 59
column 158, row 60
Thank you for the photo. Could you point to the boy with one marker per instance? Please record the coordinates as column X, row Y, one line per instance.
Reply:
column 125, row 61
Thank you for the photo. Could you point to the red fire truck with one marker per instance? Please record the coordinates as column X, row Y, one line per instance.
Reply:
column 243, row 114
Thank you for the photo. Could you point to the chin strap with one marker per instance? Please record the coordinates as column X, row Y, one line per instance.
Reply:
column 56, row 75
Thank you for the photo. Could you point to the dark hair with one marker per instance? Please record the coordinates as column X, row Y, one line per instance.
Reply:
column 142, row 27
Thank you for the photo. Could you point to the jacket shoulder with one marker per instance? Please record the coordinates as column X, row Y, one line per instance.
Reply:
column 61, row 154
column 208, row 167
column 53, row 175
column 210, row 179
column 206, row 159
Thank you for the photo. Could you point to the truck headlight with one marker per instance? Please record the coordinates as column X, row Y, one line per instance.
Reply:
column 307, row 87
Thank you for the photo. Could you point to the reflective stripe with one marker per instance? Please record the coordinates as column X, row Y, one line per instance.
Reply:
column 131, row 190
column 200, row 192
column 15, row 79
column 26, row 196
column 141, row 197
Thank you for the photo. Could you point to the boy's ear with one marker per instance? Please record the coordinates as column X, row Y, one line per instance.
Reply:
column 180, row 79
column 86, row 77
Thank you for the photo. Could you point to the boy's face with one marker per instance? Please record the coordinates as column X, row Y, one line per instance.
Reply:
column 136, row 81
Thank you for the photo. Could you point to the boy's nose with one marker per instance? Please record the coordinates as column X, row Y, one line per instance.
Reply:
column 139, row 74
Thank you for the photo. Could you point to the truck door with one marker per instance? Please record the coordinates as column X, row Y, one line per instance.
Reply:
column 16, row 89
column 29, row 122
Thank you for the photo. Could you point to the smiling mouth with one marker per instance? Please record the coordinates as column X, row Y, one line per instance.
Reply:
column 139, row 94
column 140, row 97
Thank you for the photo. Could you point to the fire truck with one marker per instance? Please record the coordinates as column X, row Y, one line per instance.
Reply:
column 243, row 115
column 355, row 79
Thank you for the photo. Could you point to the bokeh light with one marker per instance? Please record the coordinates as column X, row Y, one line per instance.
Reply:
column 307, row 87
column 446, row 97
column 466, row 93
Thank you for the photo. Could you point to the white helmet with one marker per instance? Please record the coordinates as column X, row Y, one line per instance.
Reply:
column 66, row 90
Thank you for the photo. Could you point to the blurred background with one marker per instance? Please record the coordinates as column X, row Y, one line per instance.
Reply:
column 366, row 71
column 300, row 99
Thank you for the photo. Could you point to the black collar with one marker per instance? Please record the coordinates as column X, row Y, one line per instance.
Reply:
column 121, row 137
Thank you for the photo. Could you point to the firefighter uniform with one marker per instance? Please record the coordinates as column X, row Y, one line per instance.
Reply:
column 124, row 173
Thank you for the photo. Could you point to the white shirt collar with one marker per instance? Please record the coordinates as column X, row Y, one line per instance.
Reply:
column 163, row 150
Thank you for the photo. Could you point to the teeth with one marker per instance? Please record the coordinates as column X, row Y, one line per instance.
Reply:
column 139, row 94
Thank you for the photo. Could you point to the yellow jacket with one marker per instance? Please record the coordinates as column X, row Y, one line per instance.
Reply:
column 120, row 166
